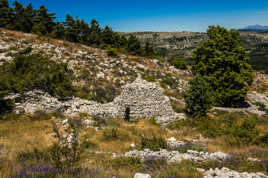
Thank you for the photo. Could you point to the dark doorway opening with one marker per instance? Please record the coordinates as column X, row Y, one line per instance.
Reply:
column 127, row 114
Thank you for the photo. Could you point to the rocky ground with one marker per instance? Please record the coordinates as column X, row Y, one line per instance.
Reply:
column 150, row 92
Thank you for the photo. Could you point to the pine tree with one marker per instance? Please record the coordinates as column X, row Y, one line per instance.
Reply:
column 107, row 36
column 222, row 62
column 43, row 21
column 6, row 14
column 134, row 45
column 149, row 51
column 18, row 16
column 29, row 14
column 69, row 25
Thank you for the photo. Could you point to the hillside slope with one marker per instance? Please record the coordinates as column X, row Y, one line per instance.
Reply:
column 93, row 134
column 182, row 44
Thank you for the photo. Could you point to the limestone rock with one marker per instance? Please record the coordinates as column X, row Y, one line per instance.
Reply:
column 177, row 157
column 255, row 97
column 141, row 175
column 227, row 173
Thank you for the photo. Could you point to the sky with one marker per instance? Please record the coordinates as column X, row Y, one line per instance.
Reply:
column 161, row 15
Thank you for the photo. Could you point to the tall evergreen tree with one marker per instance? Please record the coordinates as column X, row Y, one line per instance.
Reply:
column 6, row 14
column 69, row 25
column 149, row 50
column 107, row 36
column 222, row 62
column 18, row 16
column 44, row 21
column 29, row 14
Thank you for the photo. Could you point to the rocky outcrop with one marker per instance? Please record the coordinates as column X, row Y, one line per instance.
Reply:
column 255, row 97
column 228, row 173
column 139, row 99
column 177, row 157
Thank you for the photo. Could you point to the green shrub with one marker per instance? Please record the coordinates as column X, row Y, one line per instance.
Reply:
column 114, row 134
column 262, row 140
column 179, row 63
column 104, row 94
column 110, row 134
column 236, row 131
column 185, row 169
column 197, row 98
column 28, row 72
column 63, row 153
column 241, row 133
column 112, row 52
column 155, row 143
column 261, row 106
column 126, row 162
column 192, row 146
column 237, row 162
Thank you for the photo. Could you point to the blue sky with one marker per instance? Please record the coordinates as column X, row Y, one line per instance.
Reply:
column 162, row 15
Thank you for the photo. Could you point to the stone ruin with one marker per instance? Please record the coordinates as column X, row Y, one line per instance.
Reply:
column 139, row 99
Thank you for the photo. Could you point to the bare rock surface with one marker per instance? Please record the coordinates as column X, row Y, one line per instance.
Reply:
column 141, row 175
column 255, row 97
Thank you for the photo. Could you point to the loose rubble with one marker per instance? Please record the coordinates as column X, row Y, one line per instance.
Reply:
column 177, row 157
column 227, row 173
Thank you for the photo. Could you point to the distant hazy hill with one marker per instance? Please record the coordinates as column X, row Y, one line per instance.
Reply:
column 256, row 27
column 182, row 44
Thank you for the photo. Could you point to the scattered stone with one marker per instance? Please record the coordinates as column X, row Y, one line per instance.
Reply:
column 89, row 123
column 255, row 97
column 141, row 175
column 132, row 145
column 177, row 157
column 227, row 173
column 175, row 144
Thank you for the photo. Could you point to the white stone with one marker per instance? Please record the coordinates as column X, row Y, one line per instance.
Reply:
column 141, row 175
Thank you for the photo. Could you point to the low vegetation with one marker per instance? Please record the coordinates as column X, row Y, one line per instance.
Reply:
column 31, row 144
column 28, row 72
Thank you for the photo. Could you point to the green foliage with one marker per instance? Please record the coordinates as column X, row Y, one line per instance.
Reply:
column 262, row 140
column 112, row 52
column 63, row 153
column 197, row 97
column 185, row 169
column 113, row 134
column 192, row 146
column 126, row 162
column 110, row 134
column 261, row 106
column 237, row 162
column 28, row 72
column 104, row 94
column 179, row 63
column 235, row 131
column 222, row 62
column 155, row 143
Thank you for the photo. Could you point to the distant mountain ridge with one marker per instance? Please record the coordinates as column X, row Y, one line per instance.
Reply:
column 256, row 27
